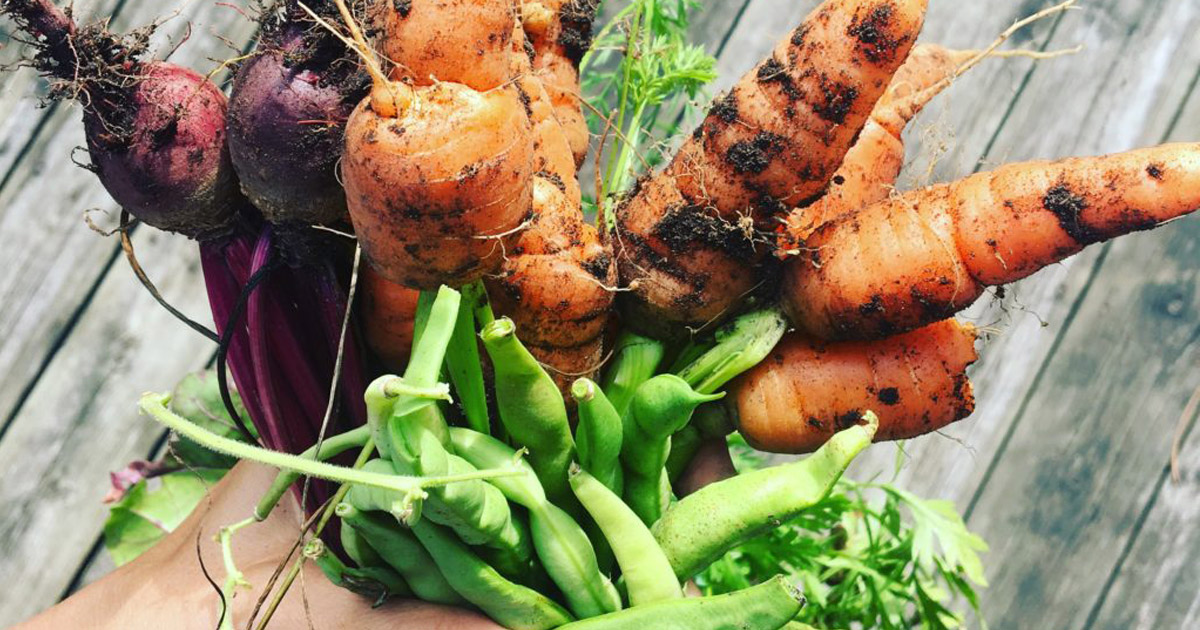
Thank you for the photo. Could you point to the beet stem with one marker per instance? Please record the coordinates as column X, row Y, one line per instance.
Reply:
column 41, row 18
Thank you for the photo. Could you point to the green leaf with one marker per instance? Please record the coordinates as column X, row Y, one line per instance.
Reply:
column 197, row 398
column 152, row 508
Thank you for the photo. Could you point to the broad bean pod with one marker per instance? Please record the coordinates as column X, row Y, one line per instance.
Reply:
column 599, row 434
column 767, row 606
column 704, row 525
column 648, row 574
column 561, row 544
column 514, row 606
column 376, row 582
column 531, row 407
column 660, row 407
column 401, row 550
column 476, row 511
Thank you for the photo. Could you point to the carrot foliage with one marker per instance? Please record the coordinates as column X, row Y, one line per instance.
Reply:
column 869, row 555
column 641, row 67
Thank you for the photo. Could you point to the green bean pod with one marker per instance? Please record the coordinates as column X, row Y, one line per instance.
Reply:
column 400, row 549
column 648, row 574
column 475, row 510
column 531, row 406
column 635, row 360
column 359, row 550
column 599, row 435
column 511, row 605
column 561, row 544
column 377, row 582
column 660, row 407
column 768, row 606
column 704, row 525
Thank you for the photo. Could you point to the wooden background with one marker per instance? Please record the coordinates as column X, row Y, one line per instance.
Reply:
column 1062, row 469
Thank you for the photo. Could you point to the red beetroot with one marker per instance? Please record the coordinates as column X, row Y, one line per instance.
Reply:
column 155, row 130
column 287, row 118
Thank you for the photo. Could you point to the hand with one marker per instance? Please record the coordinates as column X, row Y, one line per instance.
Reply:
column 166, row 588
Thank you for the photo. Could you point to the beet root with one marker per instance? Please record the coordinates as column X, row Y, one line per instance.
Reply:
column 159, row 149
column 287, row 118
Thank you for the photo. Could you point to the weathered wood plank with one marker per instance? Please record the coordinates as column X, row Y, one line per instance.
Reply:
column 1158, row 584
column 41, row 229
column 1088, row 451
column 80, row 422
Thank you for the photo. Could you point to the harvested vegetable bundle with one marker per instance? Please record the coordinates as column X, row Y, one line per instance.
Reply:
column 924, row 255
column 287, row 115
column 690, row 238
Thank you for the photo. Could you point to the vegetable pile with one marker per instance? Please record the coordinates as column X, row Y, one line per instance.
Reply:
column 527, row 411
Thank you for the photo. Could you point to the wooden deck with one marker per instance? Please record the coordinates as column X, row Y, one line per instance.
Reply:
column 1063, row 469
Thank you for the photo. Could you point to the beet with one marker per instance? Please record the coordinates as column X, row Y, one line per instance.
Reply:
column 155, row 130
column 171, row 169
column 287, row 118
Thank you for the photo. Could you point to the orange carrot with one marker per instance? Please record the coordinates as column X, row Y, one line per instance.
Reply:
column 388, row 314
column 439, row 185
column 873, row 164
column 464, row 41
column 560, row 32
column 555, row 285
column 919, row 257
column 807, row 390
column 770, row 144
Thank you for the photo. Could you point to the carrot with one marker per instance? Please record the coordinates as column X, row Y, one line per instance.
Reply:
column 388, row 314
column 437, row 177
column 873, row 164
column 560, row 32
column 807, row 390
column 554, row 285
column 463, row 41
column 553, row 155
column 924, row 255
column 694, row 235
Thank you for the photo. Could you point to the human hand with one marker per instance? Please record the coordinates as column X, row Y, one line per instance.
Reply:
column 166, row 586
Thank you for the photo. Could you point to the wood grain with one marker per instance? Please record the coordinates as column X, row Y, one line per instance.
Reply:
column 79, row 338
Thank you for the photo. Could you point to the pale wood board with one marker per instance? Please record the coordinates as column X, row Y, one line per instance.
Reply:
column 75, row 319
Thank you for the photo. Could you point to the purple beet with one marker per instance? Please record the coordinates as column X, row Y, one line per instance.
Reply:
column 287, row 116
column 171, row 169
column 155, row 131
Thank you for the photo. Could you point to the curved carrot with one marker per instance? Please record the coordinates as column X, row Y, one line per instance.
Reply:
column 873, row 164
column 807, row 390
column 555, row 286
column 560, row 32
column 692, row 236
column 924, row 255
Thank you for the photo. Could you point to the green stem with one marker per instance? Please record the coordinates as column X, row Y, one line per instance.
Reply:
column 741, row 345
column 155, row 405
column 367, row 451
column 331, row 447
column 433, row 330
column 234, row 578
